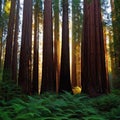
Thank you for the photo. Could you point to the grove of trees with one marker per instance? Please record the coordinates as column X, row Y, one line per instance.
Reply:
column 74, row 44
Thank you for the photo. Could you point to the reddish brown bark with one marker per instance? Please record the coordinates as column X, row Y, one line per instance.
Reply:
column 65, row 84
column 24, row 79
column 15, row 47
column 36, row 49
column 56, row 43
column 48, row 76
column 94, row 79
column 9, row 42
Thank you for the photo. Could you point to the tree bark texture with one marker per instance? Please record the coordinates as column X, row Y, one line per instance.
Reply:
column 56, row 43
column 24, row 79
column 94, row 79
column 15, row 46
column 7, row 72
column 36, row 49
column 48, row 75
column 65, row 84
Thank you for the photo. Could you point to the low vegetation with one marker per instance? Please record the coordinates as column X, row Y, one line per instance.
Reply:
column 49, row 106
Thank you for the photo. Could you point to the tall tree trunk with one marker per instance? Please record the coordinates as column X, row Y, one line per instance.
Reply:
column 76, row 39
column 36, row 48
column 15, row 47
column 65, row 84
column 74, row 80
column 24, row 79
column 112, row 49
column 116, row 30
column 94, row 79
column 115, row 5
column 48, row 78
column 56, row 43
column 106, row 53
column 9, row 43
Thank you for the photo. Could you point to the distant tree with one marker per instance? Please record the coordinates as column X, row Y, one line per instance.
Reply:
column 115, row 5
column 24, row 79
column 7, row 72
column 65, row 84
column 112, row 51
column 36, row 47
column 56, row 42
column 77, row 17
column 94, row 79
column 15, row 46
column 116, row 31
column 48, row 75
column 4, row 18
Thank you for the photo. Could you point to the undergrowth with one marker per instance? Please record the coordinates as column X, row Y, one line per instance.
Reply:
column 9, row 90
column 65, row 106
column 48, row 106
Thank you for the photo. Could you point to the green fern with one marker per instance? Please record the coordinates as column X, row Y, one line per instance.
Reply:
column 94, row 117
column 50, row 106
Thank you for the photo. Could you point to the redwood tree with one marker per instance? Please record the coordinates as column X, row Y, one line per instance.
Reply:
column 24, row 79
column 48, row 76
column 64, row 84
column 56, row 42
column 15, row 46
column 94, row 79
column 115, row 5
column 9, row 42
column 77, row 17
column 36, row 48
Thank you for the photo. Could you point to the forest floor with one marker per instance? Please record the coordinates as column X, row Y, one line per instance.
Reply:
column 49, row 106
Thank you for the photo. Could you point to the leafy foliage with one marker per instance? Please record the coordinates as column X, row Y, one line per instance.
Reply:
column 50, row 106
column 7, row 7
column 9, row 90
column 116, row 82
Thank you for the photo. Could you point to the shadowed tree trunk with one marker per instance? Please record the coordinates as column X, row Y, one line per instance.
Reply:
column 15, row 47
column 7, row 72
column 94, row 79
column 48, row 75
column 56, row 43
column 36, row 48
column 24, row 79
column 65, row 84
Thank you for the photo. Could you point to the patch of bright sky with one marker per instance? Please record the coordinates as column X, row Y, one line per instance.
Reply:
column 20, row 20
column 109, row 8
